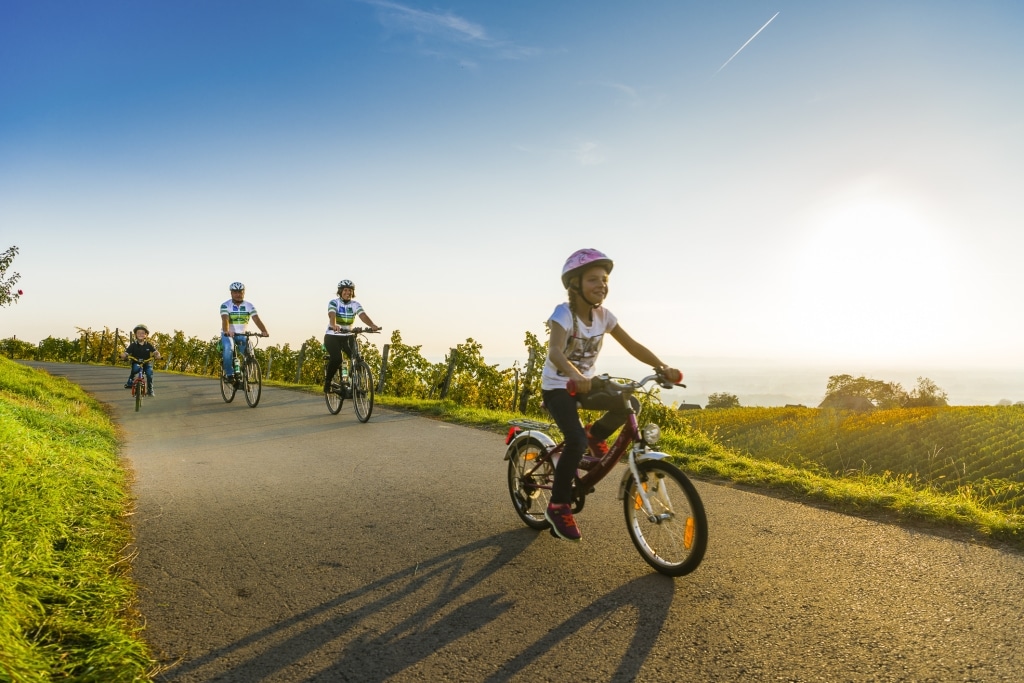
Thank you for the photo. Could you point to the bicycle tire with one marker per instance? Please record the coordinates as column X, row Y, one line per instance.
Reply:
column 675, row 543
column 138, row 388
column 335, row 398
column 252, row 381
column 529, row 471
column 362, row 390
column 227, row 389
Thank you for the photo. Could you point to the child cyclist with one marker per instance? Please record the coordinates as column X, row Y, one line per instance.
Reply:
column 141, row 349
column 577, row 330
column 341, row 313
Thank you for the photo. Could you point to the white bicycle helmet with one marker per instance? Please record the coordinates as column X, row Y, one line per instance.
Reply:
column 581, row 260
column 237, row 287
column 347, row 283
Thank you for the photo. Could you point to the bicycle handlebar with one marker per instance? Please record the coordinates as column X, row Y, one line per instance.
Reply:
column 360, row 330
column 139, row 360
column 627, row 386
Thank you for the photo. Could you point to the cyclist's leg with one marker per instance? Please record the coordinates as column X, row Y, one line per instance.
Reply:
column 347, row 345
column 149, row 377
column 332, row 343
column 563, row 410
column 227, row 344
column 610, row 422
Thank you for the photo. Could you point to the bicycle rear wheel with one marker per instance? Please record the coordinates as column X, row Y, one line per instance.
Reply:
column 530, row 476
column 335, row 398
column 252, row 381
column 362, row 390
column 674, row 541
column 138, row 388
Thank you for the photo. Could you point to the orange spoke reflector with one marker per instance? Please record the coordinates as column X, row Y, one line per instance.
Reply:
column 688, row 534
column 637, row 502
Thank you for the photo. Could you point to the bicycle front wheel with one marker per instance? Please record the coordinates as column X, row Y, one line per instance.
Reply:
column 138, row 388
column 227, row 389
column 335, row 398
column 252, row 381
column 362, row 390
column 530, row 477
column 674, row 536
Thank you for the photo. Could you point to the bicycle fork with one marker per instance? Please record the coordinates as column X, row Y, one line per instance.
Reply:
column 643, row 498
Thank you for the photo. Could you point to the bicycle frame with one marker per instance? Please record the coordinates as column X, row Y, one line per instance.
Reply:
column 140, row 385
column 250, row 345
column 629, row 441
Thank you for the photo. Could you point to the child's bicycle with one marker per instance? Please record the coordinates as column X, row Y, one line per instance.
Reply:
column 247, row 373
column 139, row 387
column 354, row 381
column 664, row 514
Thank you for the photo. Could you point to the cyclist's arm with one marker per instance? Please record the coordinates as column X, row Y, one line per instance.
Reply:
column 259, row 324
column 556, row 352
column 638, row 350
column 366, row 319
column 225, row 324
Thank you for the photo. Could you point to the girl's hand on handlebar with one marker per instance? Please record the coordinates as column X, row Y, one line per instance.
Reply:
column 671, row 374
column 578, row 385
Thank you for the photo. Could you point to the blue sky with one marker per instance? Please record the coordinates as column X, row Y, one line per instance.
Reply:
column 845, row 190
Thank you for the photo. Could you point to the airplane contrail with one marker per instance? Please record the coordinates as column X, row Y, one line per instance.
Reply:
column 748, row 42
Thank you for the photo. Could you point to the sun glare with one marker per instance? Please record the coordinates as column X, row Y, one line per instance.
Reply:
column 870, row 280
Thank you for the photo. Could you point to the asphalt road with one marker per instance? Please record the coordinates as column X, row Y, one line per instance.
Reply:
column 283, row 543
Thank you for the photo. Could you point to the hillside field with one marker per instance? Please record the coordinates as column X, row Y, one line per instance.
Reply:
column 973, row 451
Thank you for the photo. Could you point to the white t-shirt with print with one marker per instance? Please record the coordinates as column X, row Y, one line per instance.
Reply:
column 582, row 347
column 345, row 313
column 238, row 315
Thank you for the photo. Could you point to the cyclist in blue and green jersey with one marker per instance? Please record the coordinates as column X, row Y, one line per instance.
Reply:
column 234, row 316
column 341, row 313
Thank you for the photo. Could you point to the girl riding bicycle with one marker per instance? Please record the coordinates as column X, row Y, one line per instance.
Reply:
column 577, row 330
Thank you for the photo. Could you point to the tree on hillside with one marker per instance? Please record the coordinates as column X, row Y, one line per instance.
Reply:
column 723, row 400
column 843, row 391
column 927, row 394
column 8, row 295
column 860, row 393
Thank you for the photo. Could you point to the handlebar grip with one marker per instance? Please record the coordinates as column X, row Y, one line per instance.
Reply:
column 571, row 387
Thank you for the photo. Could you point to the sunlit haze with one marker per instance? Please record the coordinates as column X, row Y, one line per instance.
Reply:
column 792, row 183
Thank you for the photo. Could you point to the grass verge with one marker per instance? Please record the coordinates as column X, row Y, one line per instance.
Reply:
column 66, row 597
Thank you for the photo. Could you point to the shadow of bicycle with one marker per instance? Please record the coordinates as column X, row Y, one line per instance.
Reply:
column 390, row 628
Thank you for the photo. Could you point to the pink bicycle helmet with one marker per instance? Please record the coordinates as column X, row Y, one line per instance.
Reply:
column 582, row 259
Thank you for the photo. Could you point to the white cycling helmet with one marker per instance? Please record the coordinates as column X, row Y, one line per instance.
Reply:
column 581, row 260
column 237, row 287
column 347, row 283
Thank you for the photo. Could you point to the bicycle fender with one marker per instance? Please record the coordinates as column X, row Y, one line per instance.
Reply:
column 628, row 476
column 527, row 435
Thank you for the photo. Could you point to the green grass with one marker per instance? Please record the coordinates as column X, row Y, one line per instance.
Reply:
column 66, row 598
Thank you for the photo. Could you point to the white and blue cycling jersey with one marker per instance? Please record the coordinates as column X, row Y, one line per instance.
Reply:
column 238, row 315
column 345, row 313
